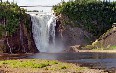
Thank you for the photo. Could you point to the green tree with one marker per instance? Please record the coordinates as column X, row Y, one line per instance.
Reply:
column 94, row 16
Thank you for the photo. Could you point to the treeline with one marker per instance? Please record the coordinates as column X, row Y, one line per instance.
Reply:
column 10, row 17
column 92, row 15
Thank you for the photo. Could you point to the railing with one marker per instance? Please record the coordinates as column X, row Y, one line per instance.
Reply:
column 39, row 13
column 37, row 6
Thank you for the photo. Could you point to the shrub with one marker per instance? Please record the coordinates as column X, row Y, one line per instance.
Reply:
column 88, row 47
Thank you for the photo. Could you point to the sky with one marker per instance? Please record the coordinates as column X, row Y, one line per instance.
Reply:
column 38, row 2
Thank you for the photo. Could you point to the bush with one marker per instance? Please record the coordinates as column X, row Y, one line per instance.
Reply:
column 97, row 44
column 88, row 47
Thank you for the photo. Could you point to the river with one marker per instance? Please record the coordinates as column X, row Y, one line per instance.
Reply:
column 99, row 60
column 44, row 30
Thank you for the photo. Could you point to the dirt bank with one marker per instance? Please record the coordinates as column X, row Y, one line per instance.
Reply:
column 98, row 51
column 7, row 56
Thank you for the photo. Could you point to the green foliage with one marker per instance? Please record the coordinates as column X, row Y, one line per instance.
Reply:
column 94, row 16
column 11, row 14
column 24, row 64
column 98, row 46
column 50, row 65
column 88, row 47
column 106, row 48
column 114, row 47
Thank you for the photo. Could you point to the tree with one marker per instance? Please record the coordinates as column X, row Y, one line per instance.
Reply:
column 89, row 14
column 84, row 1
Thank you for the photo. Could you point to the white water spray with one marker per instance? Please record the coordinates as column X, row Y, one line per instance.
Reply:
column 43, row 29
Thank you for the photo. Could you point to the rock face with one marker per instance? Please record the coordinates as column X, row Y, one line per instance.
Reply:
column 76, row 36
column 71, row 36
column 21, row 41
column 108, row 38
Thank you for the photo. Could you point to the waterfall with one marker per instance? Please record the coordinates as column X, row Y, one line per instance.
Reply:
column 43, row 29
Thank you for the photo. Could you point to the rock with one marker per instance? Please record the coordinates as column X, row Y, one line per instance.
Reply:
column 75, row 36
column 108, row 38
column 75, row 48
column 21, row 41
column 70, row 36
column 1, row 45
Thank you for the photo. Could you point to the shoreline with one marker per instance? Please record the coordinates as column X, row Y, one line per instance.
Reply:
column 90, row 66
column 76, row 51
column 6, row 56
column 98, row 51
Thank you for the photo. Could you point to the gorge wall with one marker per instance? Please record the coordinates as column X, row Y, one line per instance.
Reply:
column 21, row 41
column 71, row 36
column 108, row 38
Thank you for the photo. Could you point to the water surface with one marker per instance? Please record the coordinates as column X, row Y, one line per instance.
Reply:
column 102, row 60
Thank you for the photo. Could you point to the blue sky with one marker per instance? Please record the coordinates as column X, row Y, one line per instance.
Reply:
column 38, row 2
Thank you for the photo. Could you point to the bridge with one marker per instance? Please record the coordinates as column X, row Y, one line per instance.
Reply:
column 37, row 6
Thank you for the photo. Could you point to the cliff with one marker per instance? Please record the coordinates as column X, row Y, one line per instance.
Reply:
column 15, row 30
column 108, row 38
column 69, row 35
column 94, row 16
column 21, row 41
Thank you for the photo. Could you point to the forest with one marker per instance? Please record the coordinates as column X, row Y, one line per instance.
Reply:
column 10, row 17
column 91, row 15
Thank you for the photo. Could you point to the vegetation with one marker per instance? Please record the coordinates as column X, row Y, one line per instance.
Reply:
column 100, row 45
column 45, row 65
column 92, row 47
column 94, row 16
column 11, row 15
column 97, row 45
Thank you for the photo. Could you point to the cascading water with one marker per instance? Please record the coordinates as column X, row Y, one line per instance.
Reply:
column 43, row 29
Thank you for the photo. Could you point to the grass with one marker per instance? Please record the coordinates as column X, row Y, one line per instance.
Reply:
column 113, row 47
column 27, row 64
column 106, row 48
column 98, row 46
column 45, row 65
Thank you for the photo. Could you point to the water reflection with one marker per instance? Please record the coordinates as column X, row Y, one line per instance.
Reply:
column 73, row 56
column 100, row 60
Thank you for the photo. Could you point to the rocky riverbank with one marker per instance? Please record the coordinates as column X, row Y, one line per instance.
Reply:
column 6, row 56
column 92, row 51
